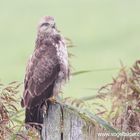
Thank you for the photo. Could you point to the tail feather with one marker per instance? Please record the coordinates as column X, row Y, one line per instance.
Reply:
column 34, row 118
column 34, row 114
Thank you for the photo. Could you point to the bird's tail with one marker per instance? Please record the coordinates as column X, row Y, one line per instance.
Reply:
column 39, row 106
column 34, row 117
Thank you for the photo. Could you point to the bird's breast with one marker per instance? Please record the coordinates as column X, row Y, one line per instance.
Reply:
column 63, row 59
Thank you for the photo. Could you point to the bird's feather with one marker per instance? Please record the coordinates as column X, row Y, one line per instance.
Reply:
column 42, row 70
column 46, row 70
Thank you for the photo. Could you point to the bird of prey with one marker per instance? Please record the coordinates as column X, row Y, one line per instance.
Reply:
column 46, row 71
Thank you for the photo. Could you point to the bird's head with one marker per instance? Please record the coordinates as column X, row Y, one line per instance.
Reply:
column 46, row 24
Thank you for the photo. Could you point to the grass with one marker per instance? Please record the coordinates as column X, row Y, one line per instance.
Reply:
column 104, row 32
column 115, row 108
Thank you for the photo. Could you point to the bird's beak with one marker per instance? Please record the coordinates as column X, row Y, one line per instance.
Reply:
column 57, row 29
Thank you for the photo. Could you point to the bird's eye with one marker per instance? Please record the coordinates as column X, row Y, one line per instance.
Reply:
column 44, row 24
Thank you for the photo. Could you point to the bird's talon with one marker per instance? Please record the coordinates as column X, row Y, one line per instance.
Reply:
column 52, row 100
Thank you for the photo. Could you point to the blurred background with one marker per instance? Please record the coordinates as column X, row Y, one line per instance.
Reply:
column 104, row 32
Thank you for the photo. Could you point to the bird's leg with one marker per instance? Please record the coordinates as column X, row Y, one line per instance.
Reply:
column 55, row 99
column 56, row 90
column 52, row 99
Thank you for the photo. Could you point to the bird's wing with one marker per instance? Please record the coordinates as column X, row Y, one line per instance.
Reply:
column 42, row 70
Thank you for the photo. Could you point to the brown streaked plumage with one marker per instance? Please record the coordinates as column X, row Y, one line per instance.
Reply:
column 46, row 71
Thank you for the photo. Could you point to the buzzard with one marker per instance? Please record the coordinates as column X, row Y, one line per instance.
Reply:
column 46, row 71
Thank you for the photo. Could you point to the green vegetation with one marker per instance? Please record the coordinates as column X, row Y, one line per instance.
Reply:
column 122, row 94
column 104, row 33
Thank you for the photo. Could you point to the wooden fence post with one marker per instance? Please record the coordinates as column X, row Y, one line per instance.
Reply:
column 63, row 123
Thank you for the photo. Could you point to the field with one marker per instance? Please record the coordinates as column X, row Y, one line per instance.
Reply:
column 104, row 33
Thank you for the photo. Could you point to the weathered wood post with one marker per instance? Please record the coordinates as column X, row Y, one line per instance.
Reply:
column 64, row 123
